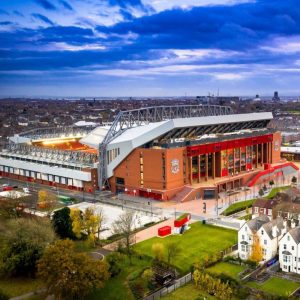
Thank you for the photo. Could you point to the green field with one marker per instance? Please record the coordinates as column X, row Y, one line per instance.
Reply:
column 188, row 292
column 277, row 190
column 19, row 286
column 228, row 269
column 276, row 286
column 117, row 288
column 196, row 244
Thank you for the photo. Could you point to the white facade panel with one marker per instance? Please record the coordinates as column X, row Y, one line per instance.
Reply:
column 57, row 171
column 70, row 181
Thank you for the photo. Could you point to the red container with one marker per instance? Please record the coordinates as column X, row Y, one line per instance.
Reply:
column 164, row 231
column 7, row 188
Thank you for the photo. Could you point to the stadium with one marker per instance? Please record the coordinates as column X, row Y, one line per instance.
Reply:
column 165, row 153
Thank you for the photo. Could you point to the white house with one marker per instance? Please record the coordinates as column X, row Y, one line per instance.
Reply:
column 289, row 251
column 268, row 232
column 245, row 235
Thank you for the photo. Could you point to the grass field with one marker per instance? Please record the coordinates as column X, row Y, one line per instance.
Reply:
column 228, row 269
column 196, row 244
column 276, row 190
column 276, row 286
column 19, row 286
column 117, row 288
column 188, row 292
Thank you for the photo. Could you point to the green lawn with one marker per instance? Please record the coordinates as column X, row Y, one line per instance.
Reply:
column 188, row 292
column 277, row 190
column 276, row 286
column 226, row 268
column 117, row 288
column 238, row 206
column 19, row 286
column 196, row 244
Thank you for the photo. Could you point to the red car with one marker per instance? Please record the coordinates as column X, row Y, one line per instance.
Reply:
column 7, row 188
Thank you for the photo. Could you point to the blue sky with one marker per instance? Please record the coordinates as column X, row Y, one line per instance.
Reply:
column 149, row 47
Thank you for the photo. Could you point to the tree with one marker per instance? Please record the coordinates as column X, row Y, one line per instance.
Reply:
column 158, row 251
column 124, row 226
column 294, row 179
column 68, row 274
column 271, row 183
column 261, row 192
column 13, row 206
column 256, row 253
column 47, row 200
column 87, row 222
column 62, row 223
column 173, row 250
column 77, row 224
column 23, row 244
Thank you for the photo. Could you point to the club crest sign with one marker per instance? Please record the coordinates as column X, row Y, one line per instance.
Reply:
column 175, row 166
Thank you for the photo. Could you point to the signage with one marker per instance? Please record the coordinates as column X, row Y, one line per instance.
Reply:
column 175, row 166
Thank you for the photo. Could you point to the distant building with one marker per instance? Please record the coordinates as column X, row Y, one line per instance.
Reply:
column 276, row 97
column 257, row 98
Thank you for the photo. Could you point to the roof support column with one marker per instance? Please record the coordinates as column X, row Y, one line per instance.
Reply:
column 199, row 168
column 191, row 169
column 256, row 156
column 262, row 154
column 213, row 165
column 206, row 166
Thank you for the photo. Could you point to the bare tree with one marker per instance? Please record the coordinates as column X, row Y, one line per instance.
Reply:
column 173, row 250
column 124, row 226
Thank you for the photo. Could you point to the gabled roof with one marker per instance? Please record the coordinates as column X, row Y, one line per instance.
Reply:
column 265, row 203
column 256, row 223
column 278, row 222
column 295, row 234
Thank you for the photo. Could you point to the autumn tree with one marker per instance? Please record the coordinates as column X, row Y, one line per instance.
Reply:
column 22, row 244
column 87, row 222
column 69, row 274
column 173, row 250
column 47, row 200
column 256, row 253
column 124, row 226
column 77, row 224
column 158, row 251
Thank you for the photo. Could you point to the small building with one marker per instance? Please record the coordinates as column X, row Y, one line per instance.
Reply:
column 289, row 251
column 263, row 206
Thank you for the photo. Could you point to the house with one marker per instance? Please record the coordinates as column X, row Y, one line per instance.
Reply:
column 289, row 251
column 245, row 235
column 263, row 207
column 268, row 233
column 288, row 210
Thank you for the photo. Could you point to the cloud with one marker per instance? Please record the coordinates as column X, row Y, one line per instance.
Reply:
column 42, row 18
column 3, row 12
column 46, row 4
column 286, row 45
column 66, row 5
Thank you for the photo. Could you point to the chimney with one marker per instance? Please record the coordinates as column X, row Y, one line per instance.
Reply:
column 293, row 224
column 274, row 231
column 285, row 226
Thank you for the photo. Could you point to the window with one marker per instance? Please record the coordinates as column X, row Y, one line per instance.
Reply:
column 243, row 237
column 120, row 180
column 284, row 246
column 288, row 237
column 265, row 242
column 256, row 210
column 262, row 232
column 243, row 248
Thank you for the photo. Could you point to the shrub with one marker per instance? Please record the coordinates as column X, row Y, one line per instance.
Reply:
column 3, row 296
column 114, row 261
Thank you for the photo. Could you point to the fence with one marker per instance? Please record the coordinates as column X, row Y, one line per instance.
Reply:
column 229, row 250
column 166, row 290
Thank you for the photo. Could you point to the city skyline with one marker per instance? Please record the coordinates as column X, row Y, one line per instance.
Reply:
column 149, row 48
